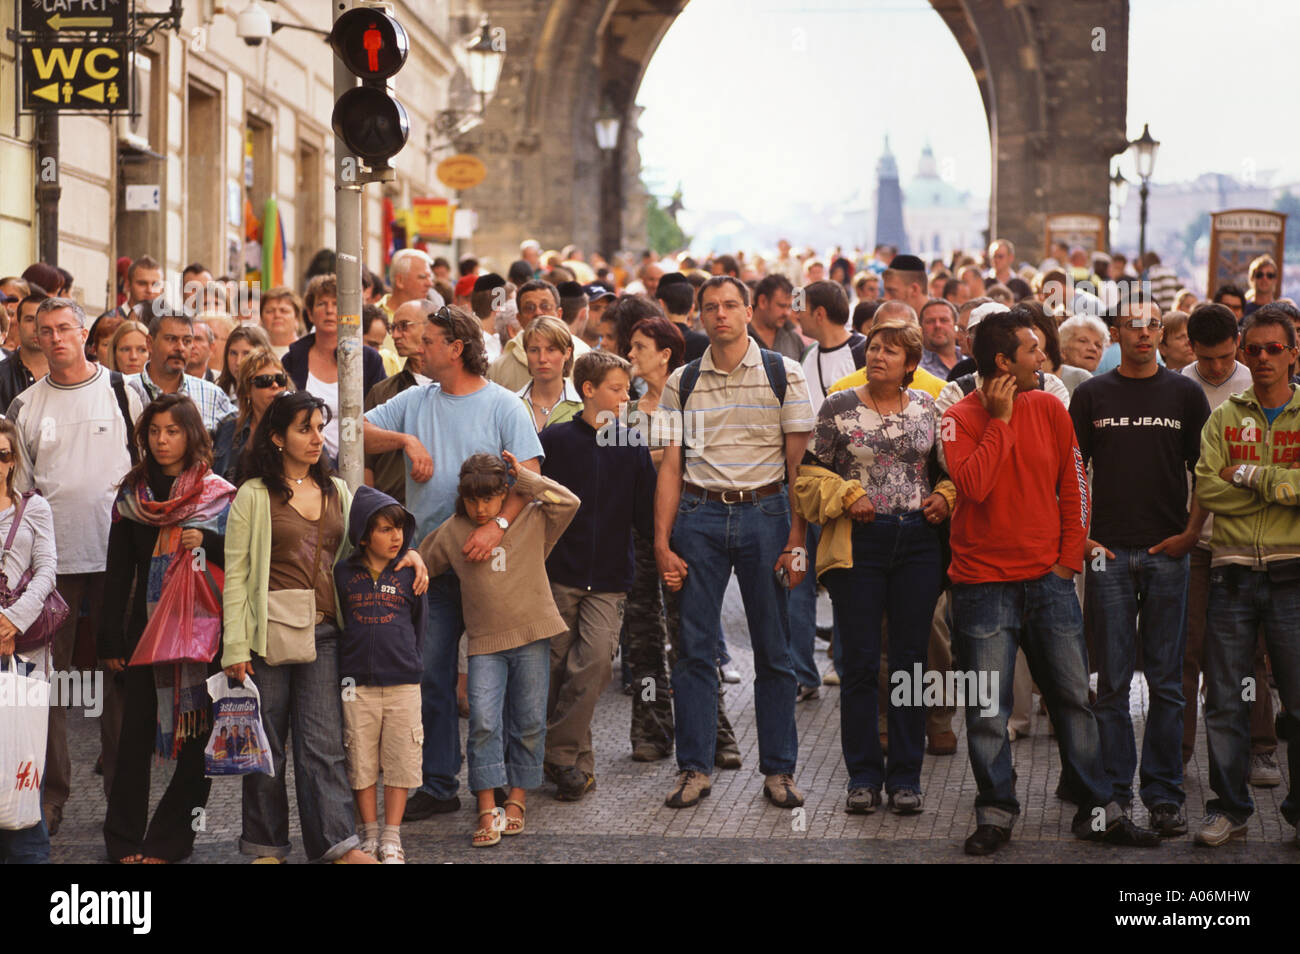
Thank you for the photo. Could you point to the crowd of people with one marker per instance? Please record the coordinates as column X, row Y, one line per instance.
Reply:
column 1008, row 476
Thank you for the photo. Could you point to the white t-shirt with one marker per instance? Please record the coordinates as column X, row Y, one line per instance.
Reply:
column 492, row 341
column 824, row 368
column 1216, row 394
column 73, row 440
column 329, row 393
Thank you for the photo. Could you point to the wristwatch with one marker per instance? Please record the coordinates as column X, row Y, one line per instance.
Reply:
column 1238, row 477
column 504, row 524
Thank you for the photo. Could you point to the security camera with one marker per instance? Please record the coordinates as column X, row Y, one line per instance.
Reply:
column 253, row 25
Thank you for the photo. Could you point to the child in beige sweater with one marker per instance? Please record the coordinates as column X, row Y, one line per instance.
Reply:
column 510, row 617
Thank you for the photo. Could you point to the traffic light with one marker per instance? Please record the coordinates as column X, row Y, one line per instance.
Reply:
column 369, row 120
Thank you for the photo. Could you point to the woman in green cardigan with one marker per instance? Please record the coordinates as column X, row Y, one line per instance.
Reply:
column 286, row 530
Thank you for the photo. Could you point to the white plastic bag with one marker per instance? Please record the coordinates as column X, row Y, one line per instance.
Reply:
column 238, row 744
column 24, row 724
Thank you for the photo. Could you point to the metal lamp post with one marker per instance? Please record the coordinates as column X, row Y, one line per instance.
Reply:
column 1144, row 150
column 608, row 127
column 1118, row 199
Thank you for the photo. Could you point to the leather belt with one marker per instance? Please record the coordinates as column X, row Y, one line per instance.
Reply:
column 735, row 496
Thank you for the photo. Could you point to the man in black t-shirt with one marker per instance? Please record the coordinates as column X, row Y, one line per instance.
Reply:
column 1140, row 425
column 676, row 296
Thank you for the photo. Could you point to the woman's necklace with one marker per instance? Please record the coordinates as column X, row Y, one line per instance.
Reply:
column 885, row 424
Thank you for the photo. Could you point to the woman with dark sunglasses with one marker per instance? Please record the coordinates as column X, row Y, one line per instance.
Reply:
column 260, row 379
column 1264, row 280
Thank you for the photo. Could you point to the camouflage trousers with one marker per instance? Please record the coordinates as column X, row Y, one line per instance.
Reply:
column 651, row 623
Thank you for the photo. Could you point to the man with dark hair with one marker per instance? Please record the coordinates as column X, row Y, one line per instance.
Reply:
column 1140, row 427
column 467, row 266
column 772, row 326
column 485, row 300
column 1017, row 541
column 939, row 331
column 1233, row 298
column 1247, row 477
column 1213, row 335
column 520, row 273
column 905, row 281
column 466, row 414
column 144, row 282
column 27, row 364
column 726, row 265
column 574, row 313
column 170, row 340
column 723, row 501
column 442, row 270
column 677, row 298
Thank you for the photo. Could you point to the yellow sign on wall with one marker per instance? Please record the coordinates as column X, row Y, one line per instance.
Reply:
column 432, row 218
column 461, row 172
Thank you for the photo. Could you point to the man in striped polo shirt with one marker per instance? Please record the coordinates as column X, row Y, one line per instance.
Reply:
column 722, row 503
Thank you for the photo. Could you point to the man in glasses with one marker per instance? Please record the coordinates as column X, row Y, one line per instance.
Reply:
column 1140, row 427
column 74, row 433
column 387, row 471
column 1249, row 478
column 1264, row 277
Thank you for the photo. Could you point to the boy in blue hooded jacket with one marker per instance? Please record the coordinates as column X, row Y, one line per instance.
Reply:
column 380, row 662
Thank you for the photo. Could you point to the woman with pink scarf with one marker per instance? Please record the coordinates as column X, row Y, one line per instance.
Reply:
column 169, row 505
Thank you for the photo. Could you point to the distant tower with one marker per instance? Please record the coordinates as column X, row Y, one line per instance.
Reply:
column 889, row 203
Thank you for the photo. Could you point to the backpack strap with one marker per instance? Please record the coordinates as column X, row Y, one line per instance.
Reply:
column 858, row 348
column 690, row 376
column 774, row 365
column 119, row 390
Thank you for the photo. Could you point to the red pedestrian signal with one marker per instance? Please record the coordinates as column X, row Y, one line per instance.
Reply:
column 368, row 118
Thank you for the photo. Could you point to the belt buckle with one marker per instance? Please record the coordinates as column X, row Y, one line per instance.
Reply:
column 739, row 499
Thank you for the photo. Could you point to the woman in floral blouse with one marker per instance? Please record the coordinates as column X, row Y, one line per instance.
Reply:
column 873, row 462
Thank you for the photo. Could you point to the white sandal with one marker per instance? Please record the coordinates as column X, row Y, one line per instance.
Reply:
column 390, row 854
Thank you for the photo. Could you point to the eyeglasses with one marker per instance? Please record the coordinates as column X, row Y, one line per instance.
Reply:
column 279, row 379
column 1137, row 324
column 6, row 456
column 1273, row 348
column 1266, row 274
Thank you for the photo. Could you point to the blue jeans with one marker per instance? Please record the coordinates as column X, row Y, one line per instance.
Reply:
column 803, row 617
column 302, row 700
column 26, row 846
column 443, row 626
column 1240, row 601
column 1042, row 617
column 508, row 749
column 713, row 537
column 896, row 572
column 1140, row 596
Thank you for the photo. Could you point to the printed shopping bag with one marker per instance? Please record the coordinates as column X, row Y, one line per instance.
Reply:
column 24, row 720
column 238, row 743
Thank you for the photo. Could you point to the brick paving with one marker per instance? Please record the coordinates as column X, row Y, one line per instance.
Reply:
column 625, row 820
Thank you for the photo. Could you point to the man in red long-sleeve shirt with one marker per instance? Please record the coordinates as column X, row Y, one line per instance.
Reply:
column 1017, row 538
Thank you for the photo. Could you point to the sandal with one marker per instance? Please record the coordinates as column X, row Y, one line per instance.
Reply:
column 486, row 837
column 514, row 825
column 391, row 854
column 131, row 860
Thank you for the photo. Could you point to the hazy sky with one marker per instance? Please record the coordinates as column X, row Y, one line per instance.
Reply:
column 754, row 104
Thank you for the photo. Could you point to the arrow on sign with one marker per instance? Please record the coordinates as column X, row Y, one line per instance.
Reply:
column 95, row 92
column 49, row 91
column 59, row 22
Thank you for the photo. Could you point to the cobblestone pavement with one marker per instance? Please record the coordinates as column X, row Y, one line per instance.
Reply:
column 625, row 820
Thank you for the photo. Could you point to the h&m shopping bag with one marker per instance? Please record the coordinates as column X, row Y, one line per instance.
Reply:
column 24, row 721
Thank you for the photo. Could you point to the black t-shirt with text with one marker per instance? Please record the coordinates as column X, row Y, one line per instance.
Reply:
column 1143, row 436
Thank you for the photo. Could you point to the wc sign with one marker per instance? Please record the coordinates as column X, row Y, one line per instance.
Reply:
column 83, row 76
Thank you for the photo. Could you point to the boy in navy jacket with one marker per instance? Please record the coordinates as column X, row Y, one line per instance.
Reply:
column 591, row 567
column 381, row 662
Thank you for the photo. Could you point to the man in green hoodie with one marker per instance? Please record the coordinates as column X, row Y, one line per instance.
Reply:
column 1249, row 477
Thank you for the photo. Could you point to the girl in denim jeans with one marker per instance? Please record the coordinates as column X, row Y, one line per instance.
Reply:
column 510, row 617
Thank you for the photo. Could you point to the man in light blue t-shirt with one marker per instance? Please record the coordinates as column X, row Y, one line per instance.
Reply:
column 438, row 426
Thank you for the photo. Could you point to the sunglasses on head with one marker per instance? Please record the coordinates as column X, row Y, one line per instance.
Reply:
column 442, row 316
column 279, row 379
column 1273, row 348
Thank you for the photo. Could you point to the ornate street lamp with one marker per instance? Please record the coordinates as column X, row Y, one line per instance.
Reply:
column 486, row 55
column 1144, row 150
column 1118, row 197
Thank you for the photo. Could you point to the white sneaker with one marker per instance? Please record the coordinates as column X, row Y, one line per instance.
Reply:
column 731, row 675
column 1264, row 772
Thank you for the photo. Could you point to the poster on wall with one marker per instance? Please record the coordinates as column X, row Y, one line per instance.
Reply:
column 1237, row 237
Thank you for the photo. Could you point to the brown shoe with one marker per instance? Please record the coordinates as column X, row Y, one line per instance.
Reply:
column 943, row 743
column 648, row 752
column 690, row 788
column 780, row 791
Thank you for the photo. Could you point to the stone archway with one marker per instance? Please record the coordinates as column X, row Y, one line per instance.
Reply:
column 1052, row 75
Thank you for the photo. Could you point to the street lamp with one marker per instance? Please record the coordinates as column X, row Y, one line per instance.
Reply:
column 1118, row 198
column 608, row 125
column 486, row 55
column 1144, row 150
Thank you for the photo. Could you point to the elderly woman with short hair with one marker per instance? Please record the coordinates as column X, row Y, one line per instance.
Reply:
column 1083, row 341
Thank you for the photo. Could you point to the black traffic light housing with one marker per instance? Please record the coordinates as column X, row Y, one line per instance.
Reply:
column 369, row 120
